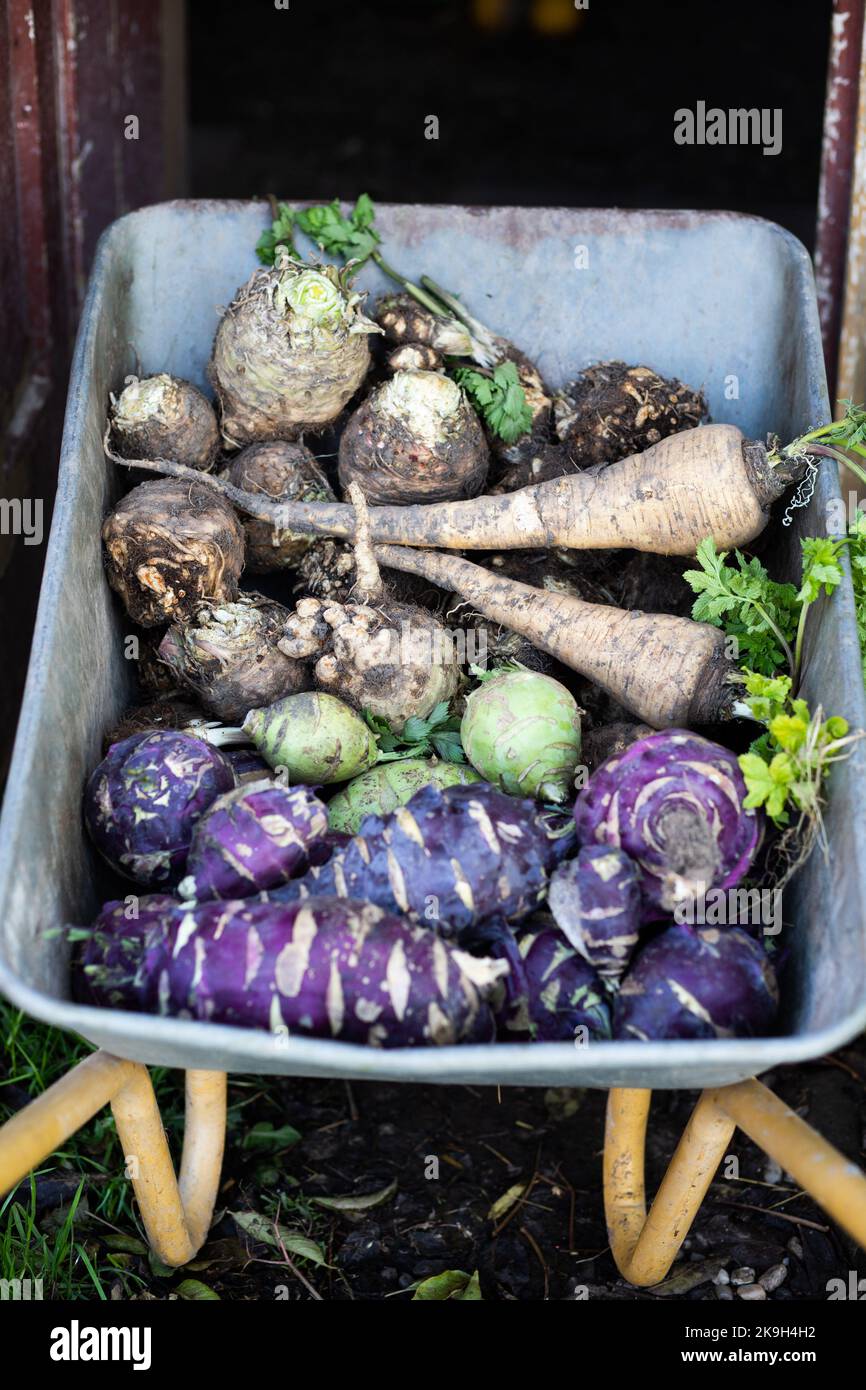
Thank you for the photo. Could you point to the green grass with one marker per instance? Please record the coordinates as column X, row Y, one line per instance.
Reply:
column 58, row 1257
column 64, row 1246
column 81, row 1248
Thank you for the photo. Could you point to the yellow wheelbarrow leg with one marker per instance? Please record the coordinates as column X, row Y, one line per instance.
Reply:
column 47, row 1122
column 836, row 1184
column 204, row 1139
column 176, row 1216
column 644, row 1247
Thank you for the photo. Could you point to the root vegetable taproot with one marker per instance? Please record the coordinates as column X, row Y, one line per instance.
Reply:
column 666, row 500
column 289, row 352
column 414, row 357
column 703, row 482
column 283, row 472
column 405, row 323
column 612, row 410
column 667, row 671
column 414, row 439
column 391, row 660
column 326, row 570
column 490, row 644
column 165, row 417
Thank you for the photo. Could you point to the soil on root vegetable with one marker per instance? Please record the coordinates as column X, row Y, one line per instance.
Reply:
column 614, row 409
column 395, row 465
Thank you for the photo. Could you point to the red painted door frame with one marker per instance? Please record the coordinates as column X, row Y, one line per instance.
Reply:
column 85, row 91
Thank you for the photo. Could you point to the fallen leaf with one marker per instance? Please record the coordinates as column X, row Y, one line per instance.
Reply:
column 562, row 1102
column 118, row 1241
column 264, row 1136
column 689, row 1276
column 224, row 1254
column 197, row 1291
column 158, row 1269
column 506, row 1201
column 261, row 1228
column 451, row 1284
column 363, row 1202
column 306, row 1248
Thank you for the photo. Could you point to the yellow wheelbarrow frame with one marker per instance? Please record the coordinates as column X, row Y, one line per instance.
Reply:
column 176, row 1212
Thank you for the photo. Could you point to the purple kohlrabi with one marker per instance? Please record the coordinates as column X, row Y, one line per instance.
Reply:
column 550, row 993
column 451, row 857
column 108, row 970
column 323, row 967
column 707, row 982
column 567, row 1000
column 143, row 800
column 254, row 837
column 674, row 802
column 595, row 901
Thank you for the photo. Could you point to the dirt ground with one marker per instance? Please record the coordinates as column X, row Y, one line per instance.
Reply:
column 551, row 1242
column 414, row 1172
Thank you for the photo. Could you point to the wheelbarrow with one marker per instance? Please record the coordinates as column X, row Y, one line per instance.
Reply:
column 720, row 300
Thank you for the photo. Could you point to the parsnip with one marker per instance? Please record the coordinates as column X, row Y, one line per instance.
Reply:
column 670, row 672
column 710, row 481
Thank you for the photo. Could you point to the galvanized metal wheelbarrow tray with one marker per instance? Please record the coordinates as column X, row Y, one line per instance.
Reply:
column 717, row 299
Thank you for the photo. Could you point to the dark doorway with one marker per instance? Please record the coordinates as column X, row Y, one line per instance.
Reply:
column 556, row 106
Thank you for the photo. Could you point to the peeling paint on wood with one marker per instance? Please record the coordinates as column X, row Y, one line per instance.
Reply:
column 851, row 379
column 70, row 70
column 834, row 195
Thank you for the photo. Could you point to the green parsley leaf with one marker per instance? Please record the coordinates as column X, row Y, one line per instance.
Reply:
column 758, row 613
column 857, row 556
column 821, row 567
column 785, row 768
column 280, row 233
column 439, row 733
column 353, row 237
column 789, row 731
column 499, row 399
